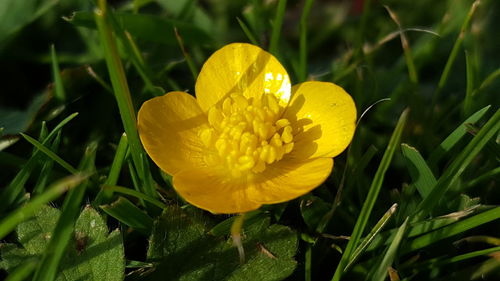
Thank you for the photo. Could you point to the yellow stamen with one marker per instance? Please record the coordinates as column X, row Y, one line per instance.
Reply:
column 246, row 135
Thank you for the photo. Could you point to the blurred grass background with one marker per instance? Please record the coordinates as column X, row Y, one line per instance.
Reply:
column 376, row 50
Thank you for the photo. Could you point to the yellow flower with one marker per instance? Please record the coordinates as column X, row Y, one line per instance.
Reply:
column 248, row 138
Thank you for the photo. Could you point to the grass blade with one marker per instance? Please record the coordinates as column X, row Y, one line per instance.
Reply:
column 98, row 79
column 487, row 81
column 50, row 154
column 410, row 63
column 21, row 214
column 446, row 261
column 358, row 168
column 126, row 212
column 47, row 167
column 136, row 194
column 15, row 188
column 187, row 56
column 277, row 23
column 303, row 40
column 104, row 196
column 122, row 93
column 383, row 267
column 455, row 137
column 454, row 53
column 116, row 166
column 371, row 197
column 453, row 229
column 419, row 228
column 247, row 32
column 456, row 168
column 369, row 238
column 470, row 83
column 59, row 93
column 48, row 266
column 483, row 177
column 133, row 53
column 421, row 174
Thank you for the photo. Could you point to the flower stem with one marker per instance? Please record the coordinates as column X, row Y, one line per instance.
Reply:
column 236, row 236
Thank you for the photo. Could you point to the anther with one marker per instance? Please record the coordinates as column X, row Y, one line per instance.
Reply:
column 245, row 135
column 287, row 136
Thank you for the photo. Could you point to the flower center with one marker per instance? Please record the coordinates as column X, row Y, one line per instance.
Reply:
column 245, row 135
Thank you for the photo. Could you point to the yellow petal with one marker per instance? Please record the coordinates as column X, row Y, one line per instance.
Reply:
column 214, row 191
column 288, row 179
column 241, row 68
column 169, row 129
column 323, row 118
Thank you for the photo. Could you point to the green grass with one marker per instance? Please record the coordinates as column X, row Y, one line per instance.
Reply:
column 371, row 197
column 414, row 197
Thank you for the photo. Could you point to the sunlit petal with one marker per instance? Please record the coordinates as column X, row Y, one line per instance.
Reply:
column 323, row 117
column 289, row 179
column 169, row 127
column 214, row 191
column 243, row 69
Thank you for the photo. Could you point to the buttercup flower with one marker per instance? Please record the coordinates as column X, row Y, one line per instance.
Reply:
column 248, row 138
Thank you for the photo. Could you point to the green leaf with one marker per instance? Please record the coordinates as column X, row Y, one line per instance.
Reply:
column 92, row 254
column 22, row 272
column 12, row 256
column 421, row 174
column 33, row 234
column 177, row 238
